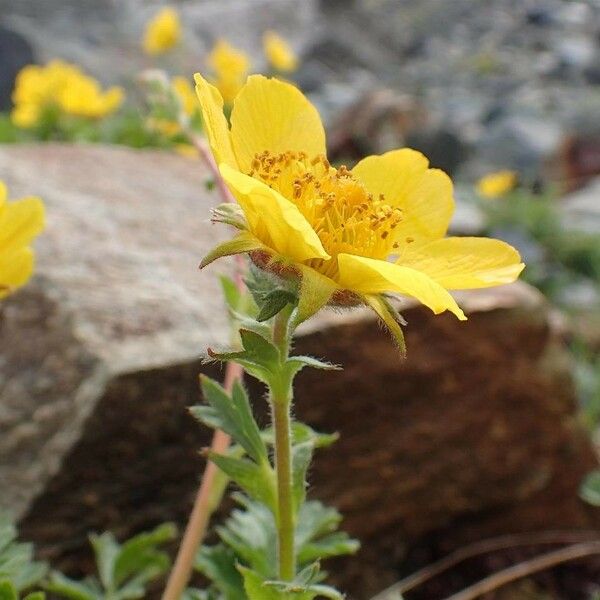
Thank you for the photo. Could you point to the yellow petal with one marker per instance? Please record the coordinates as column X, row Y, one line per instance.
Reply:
column 15, row 269
column 20, row 222
column 214, row 121
column 368, row 276
column 316, row 290
column 424, row 195
column 464, row 263
column 382, row 310
column 273, row 219
column 269, row 114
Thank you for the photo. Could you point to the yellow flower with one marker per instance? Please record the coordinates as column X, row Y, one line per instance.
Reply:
column 61, row 86
column 496, row 185
column 352, row 235
column 163, row 32
column 279, row 52
column 187, row 150
column 185, row 93
column 20, row 222
column 230, row 67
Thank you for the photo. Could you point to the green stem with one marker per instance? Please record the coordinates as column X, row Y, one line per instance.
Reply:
column 281, row 400
column 283, row 467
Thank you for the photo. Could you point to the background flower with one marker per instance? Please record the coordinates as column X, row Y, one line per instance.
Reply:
column 279, row 53
column 163, row 32
column 20, row 222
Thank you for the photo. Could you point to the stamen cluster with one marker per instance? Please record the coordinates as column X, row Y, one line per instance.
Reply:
column 343, row 214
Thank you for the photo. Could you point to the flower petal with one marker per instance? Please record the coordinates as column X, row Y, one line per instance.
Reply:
column 381, row 308
column 273, row 219
column 243, row 242
column 214, row 121
column 272, row 115
column 368, row 276
column 316, row 290
column 20, row 222
column 423, row 194
column 465, row 263
column 15, row 269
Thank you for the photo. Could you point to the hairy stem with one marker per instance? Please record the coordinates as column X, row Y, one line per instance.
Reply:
column 283, row 467
column 281, row 400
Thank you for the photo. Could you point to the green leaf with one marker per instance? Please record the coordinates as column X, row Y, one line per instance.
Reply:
column 231, row 292
column 106, row 549
column 303, row 433
column 301, row 457
column 16, row 559
column 258, row 481
column 259, row 589
column 8, row 591
column 315, row 520
column 336, row 544
column 590, row 488
column 35, row 596
column 274, row 302
column 68, row 588
column 141, row 554
column 261, row 284
column 233, row 415
column 252, row 535
column 259, row 348
column 218, row 564
column 297, row 363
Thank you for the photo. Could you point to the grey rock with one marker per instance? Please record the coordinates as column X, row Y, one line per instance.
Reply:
column 105, row 36
column 101, row 355
column 520, row 142
column 580, row 210
column 15, row 53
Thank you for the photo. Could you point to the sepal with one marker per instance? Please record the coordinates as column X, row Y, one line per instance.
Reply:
column 229, row 213
column 240, row 244
column 390, row 317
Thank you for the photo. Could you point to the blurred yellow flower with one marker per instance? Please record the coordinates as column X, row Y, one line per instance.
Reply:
column 496, row 185
column 186, row 94
column 20, row 222
column 64, row 87
column 230, row 67
column 163, row 32
column 279, row 53
column 352, row 235
column 187, row 150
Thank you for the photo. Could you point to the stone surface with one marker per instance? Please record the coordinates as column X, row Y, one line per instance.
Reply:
column 474, row 434
column 509, row 78
column 15, row 53
column 580, row 210
column 105, row 35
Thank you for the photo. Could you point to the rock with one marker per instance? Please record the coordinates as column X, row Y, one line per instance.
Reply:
column 475, row 432
column 520, row 142
column 445, row 149
column 15, row 53
column 580, row 210
column 109, row 46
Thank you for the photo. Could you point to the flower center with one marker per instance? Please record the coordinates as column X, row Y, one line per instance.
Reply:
column 341, row 211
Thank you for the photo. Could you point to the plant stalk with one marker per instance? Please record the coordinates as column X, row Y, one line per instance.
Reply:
column 285, row 503
column 281, row 400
